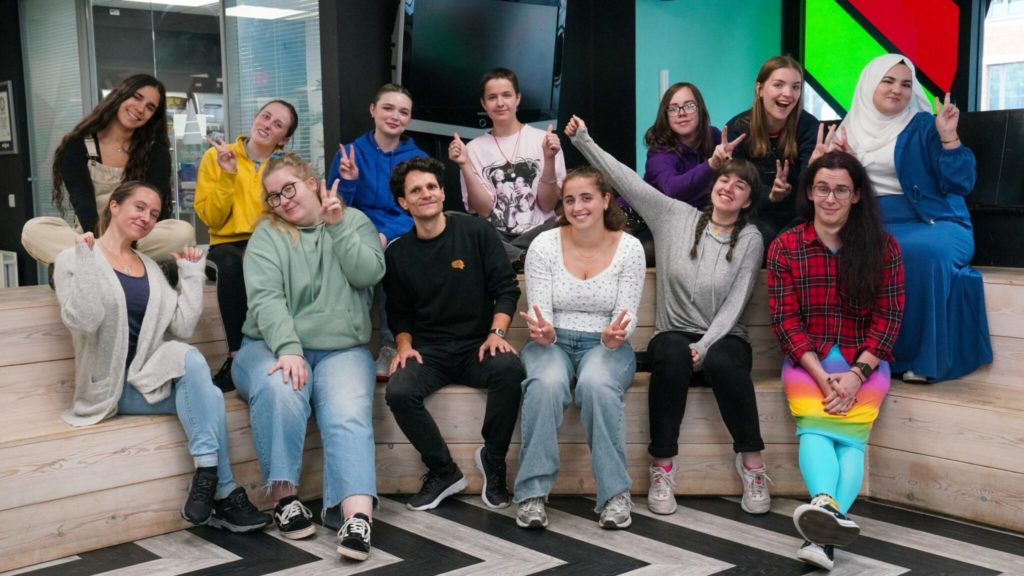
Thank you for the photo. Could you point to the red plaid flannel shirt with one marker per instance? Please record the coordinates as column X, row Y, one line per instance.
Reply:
column 809, row 314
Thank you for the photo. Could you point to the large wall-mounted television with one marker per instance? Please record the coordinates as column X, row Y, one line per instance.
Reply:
column 443, row 47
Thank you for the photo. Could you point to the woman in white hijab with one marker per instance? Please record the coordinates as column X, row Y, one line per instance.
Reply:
column 922, row 172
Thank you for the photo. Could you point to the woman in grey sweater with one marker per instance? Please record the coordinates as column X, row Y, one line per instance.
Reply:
column 708, row 261
column 128, row 323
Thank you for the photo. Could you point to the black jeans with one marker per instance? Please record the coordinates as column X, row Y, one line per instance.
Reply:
column 726, row 370
column 456, row 362
column 231, row 289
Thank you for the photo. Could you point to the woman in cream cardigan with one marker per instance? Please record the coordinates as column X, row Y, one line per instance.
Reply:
column 128, row 323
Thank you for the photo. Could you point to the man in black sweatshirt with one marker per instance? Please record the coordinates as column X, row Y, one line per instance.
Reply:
column 451, row 294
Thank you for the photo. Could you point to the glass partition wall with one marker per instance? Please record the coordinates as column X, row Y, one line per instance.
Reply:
column 220, row 60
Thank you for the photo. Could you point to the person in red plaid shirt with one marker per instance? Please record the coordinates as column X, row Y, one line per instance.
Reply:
column 835, row 288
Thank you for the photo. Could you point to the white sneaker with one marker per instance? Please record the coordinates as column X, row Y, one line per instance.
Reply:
column 661, row 496
column 532, row 514
column 615, row 515
column 383, row 362
column 756, row 499
column 910, row 376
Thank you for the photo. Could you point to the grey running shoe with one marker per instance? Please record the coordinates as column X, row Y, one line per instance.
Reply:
column 532, row 514
column 756, row 499
column 615, row 515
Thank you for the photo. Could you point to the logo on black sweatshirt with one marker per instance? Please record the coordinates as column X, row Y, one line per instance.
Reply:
column 458, row 264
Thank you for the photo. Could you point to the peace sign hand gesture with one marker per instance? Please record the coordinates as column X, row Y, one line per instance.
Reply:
column 331, row 207
column 833, row 141
column 347, row 168
column 615, row 333
column 551, row 143
column 226, row 158
column 541, row 331
column 946, row 120
column 723, row 152
column 781, row 186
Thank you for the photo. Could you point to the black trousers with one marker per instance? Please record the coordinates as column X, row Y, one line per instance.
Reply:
column 231, row 289
column 456, row 362
column 726, row 369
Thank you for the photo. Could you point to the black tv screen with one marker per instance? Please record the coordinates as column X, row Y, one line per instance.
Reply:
column 447, row 45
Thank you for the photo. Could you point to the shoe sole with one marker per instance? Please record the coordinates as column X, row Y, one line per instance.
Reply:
column 663, row 511
column 455, row 488
column 532, row 524
column 298, row 534
column 214, row 522
column 814, row 559
column 823, row 528
column 755, row 511
column 193, row 522
column 478, row 457
column 352, row 554
column 611, row 525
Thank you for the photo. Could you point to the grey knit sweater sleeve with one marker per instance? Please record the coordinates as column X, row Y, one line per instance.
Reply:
column 747, row 254
column 652, row 205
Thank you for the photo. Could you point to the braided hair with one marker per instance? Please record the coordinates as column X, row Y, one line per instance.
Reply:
column 745, row 171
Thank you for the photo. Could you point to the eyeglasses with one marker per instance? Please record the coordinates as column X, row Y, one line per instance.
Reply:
column 840, row 192
column 689, row 108
column 287, row 191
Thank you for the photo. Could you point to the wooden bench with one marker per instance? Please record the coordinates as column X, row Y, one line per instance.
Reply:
column 948, row 448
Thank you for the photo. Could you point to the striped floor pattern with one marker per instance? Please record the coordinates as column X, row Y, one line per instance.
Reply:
column 705, row 536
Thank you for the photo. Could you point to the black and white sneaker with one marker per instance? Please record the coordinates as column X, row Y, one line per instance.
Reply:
column 820, row 556
column 237, row 514
column 822, row 523
column 495, row 492
column 293, row 519
column 437, row 487
column 201, row 489
column 354, row 537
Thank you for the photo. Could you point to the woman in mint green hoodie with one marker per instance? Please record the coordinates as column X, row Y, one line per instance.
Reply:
column 310, row 268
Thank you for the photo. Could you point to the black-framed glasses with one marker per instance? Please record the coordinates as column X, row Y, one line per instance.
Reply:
column 689, row 108
column 287, row 191
column 840, row 192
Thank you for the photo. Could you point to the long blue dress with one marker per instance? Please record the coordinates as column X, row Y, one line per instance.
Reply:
column 944, row 334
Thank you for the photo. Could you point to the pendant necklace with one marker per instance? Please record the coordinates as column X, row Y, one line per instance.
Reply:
column 515, row 150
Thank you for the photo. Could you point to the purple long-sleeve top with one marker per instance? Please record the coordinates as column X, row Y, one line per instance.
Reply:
column 683, row 174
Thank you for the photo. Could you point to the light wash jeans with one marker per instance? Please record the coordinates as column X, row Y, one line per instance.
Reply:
column 200, row 408
column 339, row 391
column 602, row 377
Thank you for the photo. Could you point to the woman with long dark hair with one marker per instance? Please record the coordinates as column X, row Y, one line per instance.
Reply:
column 709, row 264
column 922, row 173
column 129, row 327
column 123, row 138
column 836, row 298
column 683, row 152
column 781, row 138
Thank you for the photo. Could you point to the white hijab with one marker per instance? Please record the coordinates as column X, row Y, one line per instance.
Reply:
column 871, row 134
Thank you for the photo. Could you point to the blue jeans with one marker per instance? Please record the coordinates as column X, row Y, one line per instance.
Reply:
column 200, row 408
column 339, row 390
column 602, row 377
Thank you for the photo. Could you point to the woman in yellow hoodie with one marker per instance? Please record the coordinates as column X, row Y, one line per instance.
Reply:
column 229, row 201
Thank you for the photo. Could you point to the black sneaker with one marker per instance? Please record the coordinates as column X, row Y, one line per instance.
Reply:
column 436, row 487
column 236, row 514
column 822, row 523
column 201, row 489
column 354, row 537
column 495, row 492
column 293, row 519
column 820, row 556
column 222, row 379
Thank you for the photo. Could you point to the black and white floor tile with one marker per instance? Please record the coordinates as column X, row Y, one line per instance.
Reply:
column 461, row 537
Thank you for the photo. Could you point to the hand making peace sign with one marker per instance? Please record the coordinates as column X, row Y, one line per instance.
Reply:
column 833, row 141
column 541, row 331
column 347, row 168
column 723, row 152
column 947, row 118
column 226, row 158
column 781, row 186
column 615, row 333
column 331, row 207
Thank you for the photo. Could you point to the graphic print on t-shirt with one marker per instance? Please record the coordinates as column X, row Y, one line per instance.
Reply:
column 514, row 197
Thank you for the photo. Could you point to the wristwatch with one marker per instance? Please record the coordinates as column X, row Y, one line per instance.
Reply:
column 865, row 369
column 498, row 331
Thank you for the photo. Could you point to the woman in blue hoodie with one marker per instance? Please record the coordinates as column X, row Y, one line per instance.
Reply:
column 363, row 170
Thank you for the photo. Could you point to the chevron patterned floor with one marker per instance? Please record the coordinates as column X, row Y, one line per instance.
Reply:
column 705, row 536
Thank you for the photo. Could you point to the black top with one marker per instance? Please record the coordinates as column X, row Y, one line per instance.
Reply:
column 74, row 168
column 448, row 288
column 774, row 217
column 136, row 297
